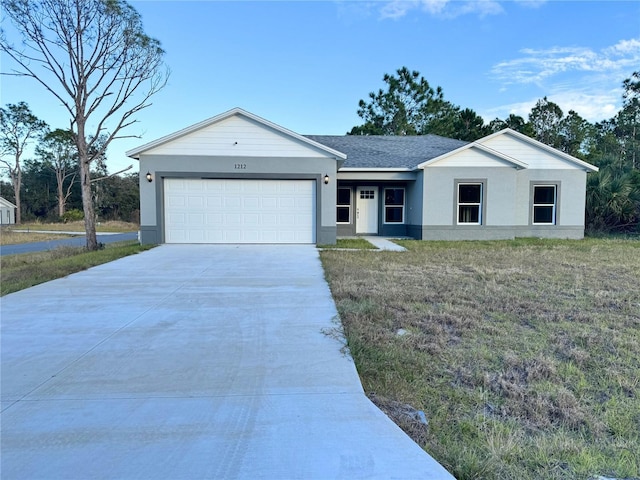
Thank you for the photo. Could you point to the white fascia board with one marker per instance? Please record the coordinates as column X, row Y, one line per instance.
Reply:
column 581, row 163
column 516, row 163
column 380, row 169
column 135, row 153
column 6, row 203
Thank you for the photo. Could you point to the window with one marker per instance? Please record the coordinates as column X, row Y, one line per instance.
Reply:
column 470, row 203
column 367, row 194
column 343, row 206
column 393, row 205
column 544, row 204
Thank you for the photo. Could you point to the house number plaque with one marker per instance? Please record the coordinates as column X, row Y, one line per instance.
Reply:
column 240, row 166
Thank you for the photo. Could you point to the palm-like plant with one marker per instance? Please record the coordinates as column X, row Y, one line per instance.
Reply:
column 613, row 201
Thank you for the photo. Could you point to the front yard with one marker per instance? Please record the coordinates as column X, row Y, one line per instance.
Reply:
column 524, row 355
column 29, row 269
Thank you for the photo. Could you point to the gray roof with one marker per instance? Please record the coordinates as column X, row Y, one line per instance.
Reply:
column 387, row 151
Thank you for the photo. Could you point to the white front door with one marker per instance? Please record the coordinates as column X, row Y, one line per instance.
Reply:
column 367, row 210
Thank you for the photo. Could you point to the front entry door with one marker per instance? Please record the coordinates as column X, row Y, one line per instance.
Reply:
column 367, row 210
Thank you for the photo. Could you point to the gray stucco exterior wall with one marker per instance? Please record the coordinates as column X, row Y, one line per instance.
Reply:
column 507, row 203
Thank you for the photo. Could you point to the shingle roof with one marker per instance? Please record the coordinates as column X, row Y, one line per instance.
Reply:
column 378, row 151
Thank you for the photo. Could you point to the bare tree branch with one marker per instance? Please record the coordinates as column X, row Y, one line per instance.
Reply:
column 112, row 174
column 94, row 57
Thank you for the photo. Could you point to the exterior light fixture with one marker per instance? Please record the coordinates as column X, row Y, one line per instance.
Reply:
column 326, row 179
column 149, row 177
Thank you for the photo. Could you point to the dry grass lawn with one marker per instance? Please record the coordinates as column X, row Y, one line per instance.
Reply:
column 9, row 237
column 524, row 355
column 78, row 226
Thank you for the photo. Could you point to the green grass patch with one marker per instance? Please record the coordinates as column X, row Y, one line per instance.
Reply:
column 524, row 354
column 351, row 243
column 29, row 269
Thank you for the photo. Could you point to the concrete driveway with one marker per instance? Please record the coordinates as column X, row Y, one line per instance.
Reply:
column 189, row 362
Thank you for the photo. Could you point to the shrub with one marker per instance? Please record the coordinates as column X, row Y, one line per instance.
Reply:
column 72, row 215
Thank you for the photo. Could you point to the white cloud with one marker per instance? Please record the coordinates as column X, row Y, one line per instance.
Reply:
column 594, row 107
column 535, row 66
column 577, row 78
column 531, row 3
column 445, row 8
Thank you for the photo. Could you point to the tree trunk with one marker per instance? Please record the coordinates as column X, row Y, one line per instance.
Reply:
column 61, row 197
column 87, row 206
column 85, row 184
column 16, row 180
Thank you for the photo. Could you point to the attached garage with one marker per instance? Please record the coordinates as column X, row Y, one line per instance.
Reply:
column 237, row 178
column 239, row 211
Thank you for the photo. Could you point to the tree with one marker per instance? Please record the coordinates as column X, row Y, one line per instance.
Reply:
column 57, row 151
column 94, row 57
column 18, row 126
column 575, row 135
column 628, row 120
column 6, row 191
column 38, row 191
column 407, row 107
column 545, row 118
column 118, row 198
column 469, row 126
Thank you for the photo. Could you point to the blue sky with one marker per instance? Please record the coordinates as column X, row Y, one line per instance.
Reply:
column 305, row 65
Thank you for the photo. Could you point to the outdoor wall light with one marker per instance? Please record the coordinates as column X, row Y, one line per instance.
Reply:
column 326, row 179
column 149, row 177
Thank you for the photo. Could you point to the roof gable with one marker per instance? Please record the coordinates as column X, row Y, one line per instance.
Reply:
column 236, row 133
column 515, row 149
column 6, row 203
column 474, row 155
column 536, row 154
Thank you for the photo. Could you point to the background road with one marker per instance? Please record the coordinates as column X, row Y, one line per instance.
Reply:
column 74, row 241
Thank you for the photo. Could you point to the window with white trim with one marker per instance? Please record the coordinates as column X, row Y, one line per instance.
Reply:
column 394, row 205
column 544, row 204
column 470, row 203
column 343, row 205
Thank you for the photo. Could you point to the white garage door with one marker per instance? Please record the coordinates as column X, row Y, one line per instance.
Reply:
column 239, row 211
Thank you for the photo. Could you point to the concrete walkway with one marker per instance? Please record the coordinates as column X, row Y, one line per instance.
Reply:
column 382, row 243
column 190, row 362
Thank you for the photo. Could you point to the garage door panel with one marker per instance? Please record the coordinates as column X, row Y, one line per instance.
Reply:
column 195, row 202
column 231, row 222
column 176, row 201
column 231, row 186
column 303, row 203
column 251, row 203
column 214, row 187
column 215, row 236
column 232, row 202
column 269, row 203
column 176, row 219
column 194, row 219
column 251, row 220
column 239, row 211
column 214, row 201
column 215, row 219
